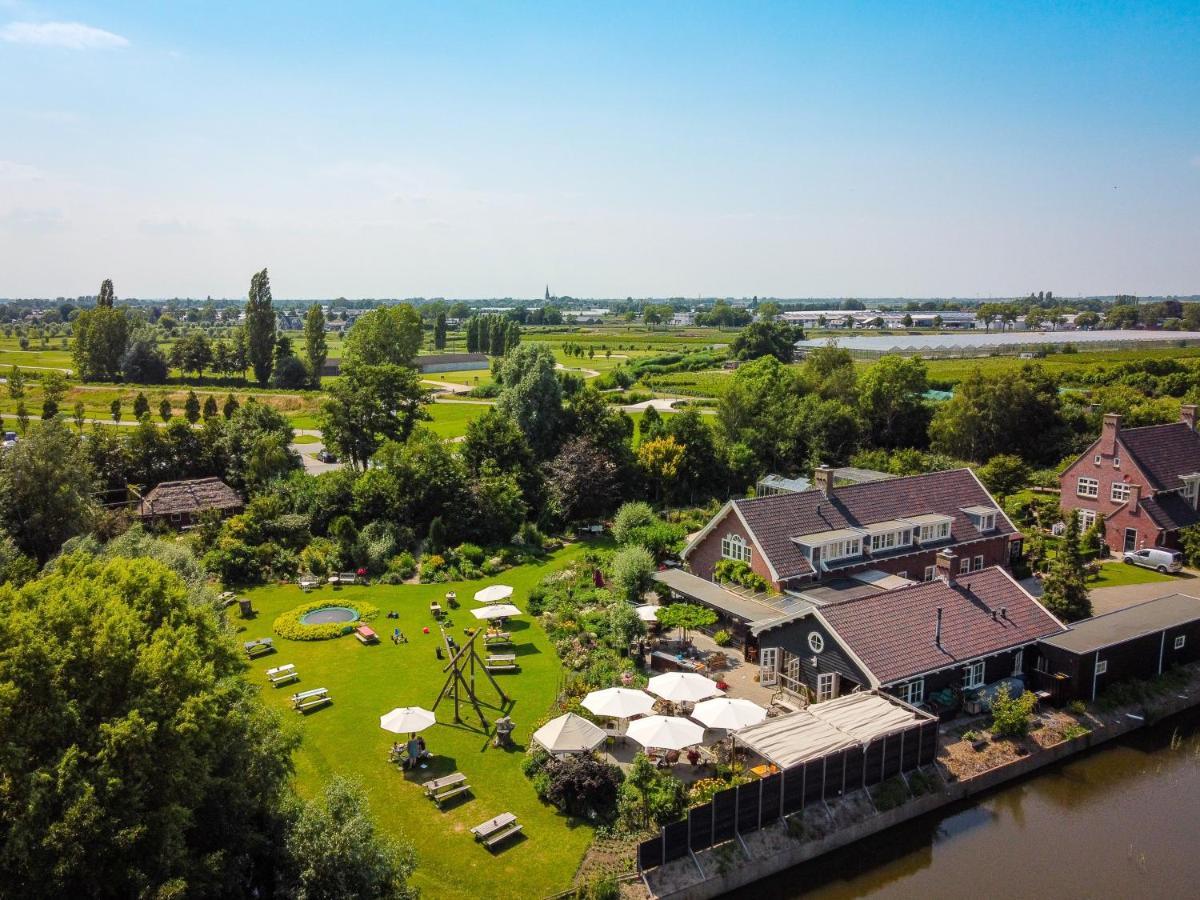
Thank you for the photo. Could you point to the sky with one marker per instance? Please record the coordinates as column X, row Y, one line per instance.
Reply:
column 848, row 149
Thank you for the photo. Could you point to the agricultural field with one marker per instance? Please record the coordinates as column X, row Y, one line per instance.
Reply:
column 951, row 371
column 367, row 681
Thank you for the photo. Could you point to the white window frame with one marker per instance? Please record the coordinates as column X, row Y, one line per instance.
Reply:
column 816, row 643
column 973, row 674
column 1120, row 492
column 844, row 549
column 938, row 531
column 735, row 547
column 930, row 573
column 768, row 666
column 826, row 686
column 964, row 565
column 978, row 567
column 1191, row 490
column 912, row 692
column 1018, row 661
column 1087, row 518
column 1087, row 487
column 988, row 522
column 1101, row 666
column 1180, row 641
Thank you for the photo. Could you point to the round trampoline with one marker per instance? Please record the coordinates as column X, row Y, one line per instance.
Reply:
column 328, row 615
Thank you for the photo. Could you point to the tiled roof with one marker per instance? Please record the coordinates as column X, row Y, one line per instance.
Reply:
column 1163, row 452
column 776, row 520
column 892, row 633
column 1170, row 511
column 173, row 497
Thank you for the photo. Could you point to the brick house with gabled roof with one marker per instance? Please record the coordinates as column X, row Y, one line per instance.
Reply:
column 959, row 631
column 1145, row 481
column 895, row 526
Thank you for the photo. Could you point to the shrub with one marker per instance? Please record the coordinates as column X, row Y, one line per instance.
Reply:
column 432, row 566
column 730, row 570
column 631, row 570
column 583, row 786
column 288, row 624
column 1078, row 707
column 1011, row 715
column 660, row 538
column 630, row 516
column 723, row 638
column 472, row 553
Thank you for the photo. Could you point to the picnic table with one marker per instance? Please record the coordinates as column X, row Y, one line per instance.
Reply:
column 493, row 831
column 442, row 789
column 366, row 634
column 282, row 674
column 501, row 662
column 306, row 700
column 259, row 647
column 498, row 637
column 308, row 583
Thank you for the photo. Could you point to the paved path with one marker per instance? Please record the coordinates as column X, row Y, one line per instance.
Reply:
column 590, row 373
column 448, row 387
column 308, row 455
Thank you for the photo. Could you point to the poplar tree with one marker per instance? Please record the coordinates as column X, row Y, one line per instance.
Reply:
column 439, row 332
column 260, row 327
column 315, row 347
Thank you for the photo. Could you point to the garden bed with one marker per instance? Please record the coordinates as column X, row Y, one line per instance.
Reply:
column 290, row 624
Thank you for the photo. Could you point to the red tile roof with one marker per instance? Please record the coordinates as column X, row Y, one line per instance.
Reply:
column 892, row 633
column 1163, row 452
column 775, row 520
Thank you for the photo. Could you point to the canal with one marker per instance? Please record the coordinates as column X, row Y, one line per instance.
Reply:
column 1122, row 821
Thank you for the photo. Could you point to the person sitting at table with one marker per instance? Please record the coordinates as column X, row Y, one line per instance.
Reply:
column 422, row 752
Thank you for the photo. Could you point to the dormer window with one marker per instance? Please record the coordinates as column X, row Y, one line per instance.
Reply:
column 734, row 546
column 931, row 527
column 982, row 517
column 884, row 536
column 1191, row 489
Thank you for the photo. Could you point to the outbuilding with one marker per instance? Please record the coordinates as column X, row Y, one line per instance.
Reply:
column 1141, row 641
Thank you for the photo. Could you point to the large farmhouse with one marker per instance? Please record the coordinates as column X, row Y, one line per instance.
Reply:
column 1144, row 481
column 956, row 631
column 895, row 526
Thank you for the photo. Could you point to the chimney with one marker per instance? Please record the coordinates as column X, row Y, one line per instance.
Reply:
column 1004, row 612
column 823, row 480
column 1135, row 497
column 937, row 633
column 945, row 564
column 1108, row 434
column 1187, row 415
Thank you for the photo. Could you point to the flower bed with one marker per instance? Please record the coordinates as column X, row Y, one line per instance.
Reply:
column 288, row 624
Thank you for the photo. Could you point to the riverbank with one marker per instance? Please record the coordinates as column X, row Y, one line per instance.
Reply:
column 826, row 827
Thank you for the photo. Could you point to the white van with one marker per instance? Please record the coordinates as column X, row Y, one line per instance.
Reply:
column 1155, row 558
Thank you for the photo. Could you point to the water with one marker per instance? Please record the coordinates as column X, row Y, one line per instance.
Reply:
column 1120, row 822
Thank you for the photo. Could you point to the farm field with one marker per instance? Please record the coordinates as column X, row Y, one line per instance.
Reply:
column 367, row 681
column 955, row 370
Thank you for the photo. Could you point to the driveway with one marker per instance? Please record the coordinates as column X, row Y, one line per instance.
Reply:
column 312, row 465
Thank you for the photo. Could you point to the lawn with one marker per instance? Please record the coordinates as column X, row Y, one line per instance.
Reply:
column 1117, row 574
column 450, row 419
column 952, row 371
column 367, row 681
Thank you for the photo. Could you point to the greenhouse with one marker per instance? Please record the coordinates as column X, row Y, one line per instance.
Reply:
column 1011, row 343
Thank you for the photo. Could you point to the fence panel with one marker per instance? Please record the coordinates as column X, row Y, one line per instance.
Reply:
column 911, row 747
column 772, row 788
column 854, row 769
column 724, row 815
column 749, row 802
column 700, row 825
column 675, row 841
column 650, row 853
column 928, row 742
column 873, row 763
column 891, row 755
column 793, row 789
column 814, row 781
column 835, row 766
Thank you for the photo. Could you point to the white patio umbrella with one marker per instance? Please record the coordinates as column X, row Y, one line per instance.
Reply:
column 493, row 593
column 647, row 613
column 406, row 718
column 667, row 732
column 729, row 713
column 682, row 687
column 569, row 734
column 496, row 611
column 618, row 703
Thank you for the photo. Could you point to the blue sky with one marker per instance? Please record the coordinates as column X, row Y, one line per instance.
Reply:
column 664, row 149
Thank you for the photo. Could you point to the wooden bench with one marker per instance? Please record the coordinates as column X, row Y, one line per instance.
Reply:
column 442, row 789
column 306, row 700
column 493, row 831
column 498, row 637
column 501, row 662
column 307, row 584
column 260, row 647
column 282, row 674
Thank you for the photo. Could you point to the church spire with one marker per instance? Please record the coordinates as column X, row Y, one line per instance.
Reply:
column 547, row 293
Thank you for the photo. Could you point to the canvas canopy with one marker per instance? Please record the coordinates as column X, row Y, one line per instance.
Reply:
column 827, row 727
column 498, row 611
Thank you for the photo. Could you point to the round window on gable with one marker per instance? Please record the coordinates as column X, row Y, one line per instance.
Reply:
column 816, row 643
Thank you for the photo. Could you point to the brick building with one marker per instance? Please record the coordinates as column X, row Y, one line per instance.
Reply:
column 1145, row 482
column 895, row 526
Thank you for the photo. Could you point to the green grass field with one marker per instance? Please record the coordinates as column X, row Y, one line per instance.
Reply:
column 367, row 681
column 450, row 419
column 1117, row 574
column 1064, row 364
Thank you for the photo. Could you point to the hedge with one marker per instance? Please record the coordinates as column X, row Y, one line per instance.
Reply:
column 288, row 624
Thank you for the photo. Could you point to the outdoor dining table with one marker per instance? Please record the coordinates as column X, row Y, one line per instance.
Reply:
column 491, row 826
column 437, row 784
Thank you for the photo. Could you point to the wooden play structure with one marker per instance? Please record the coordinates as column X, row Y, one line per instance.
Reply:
column 464, row 660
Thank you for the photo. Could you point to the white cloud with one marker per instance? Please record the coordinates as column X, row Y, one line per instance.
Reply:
column 71, row 35
column 14, row 171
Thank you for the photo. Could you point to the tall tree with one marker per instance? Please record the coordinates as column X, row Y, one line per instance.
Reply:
column 531, row 394
column 316, row 349
column 369, row 405
column 107, row 294
column 46, row 484
column 260, row 327
column 141, row 406
column 1065, row 590
column 891, row 401
column 388, row 335
column 137, row 761
column 439, row 332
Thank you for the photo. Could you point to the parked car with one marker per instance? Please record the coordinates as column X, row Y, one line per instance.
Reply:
column 326, row 457
column 1155, row 558
column 10, row 439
